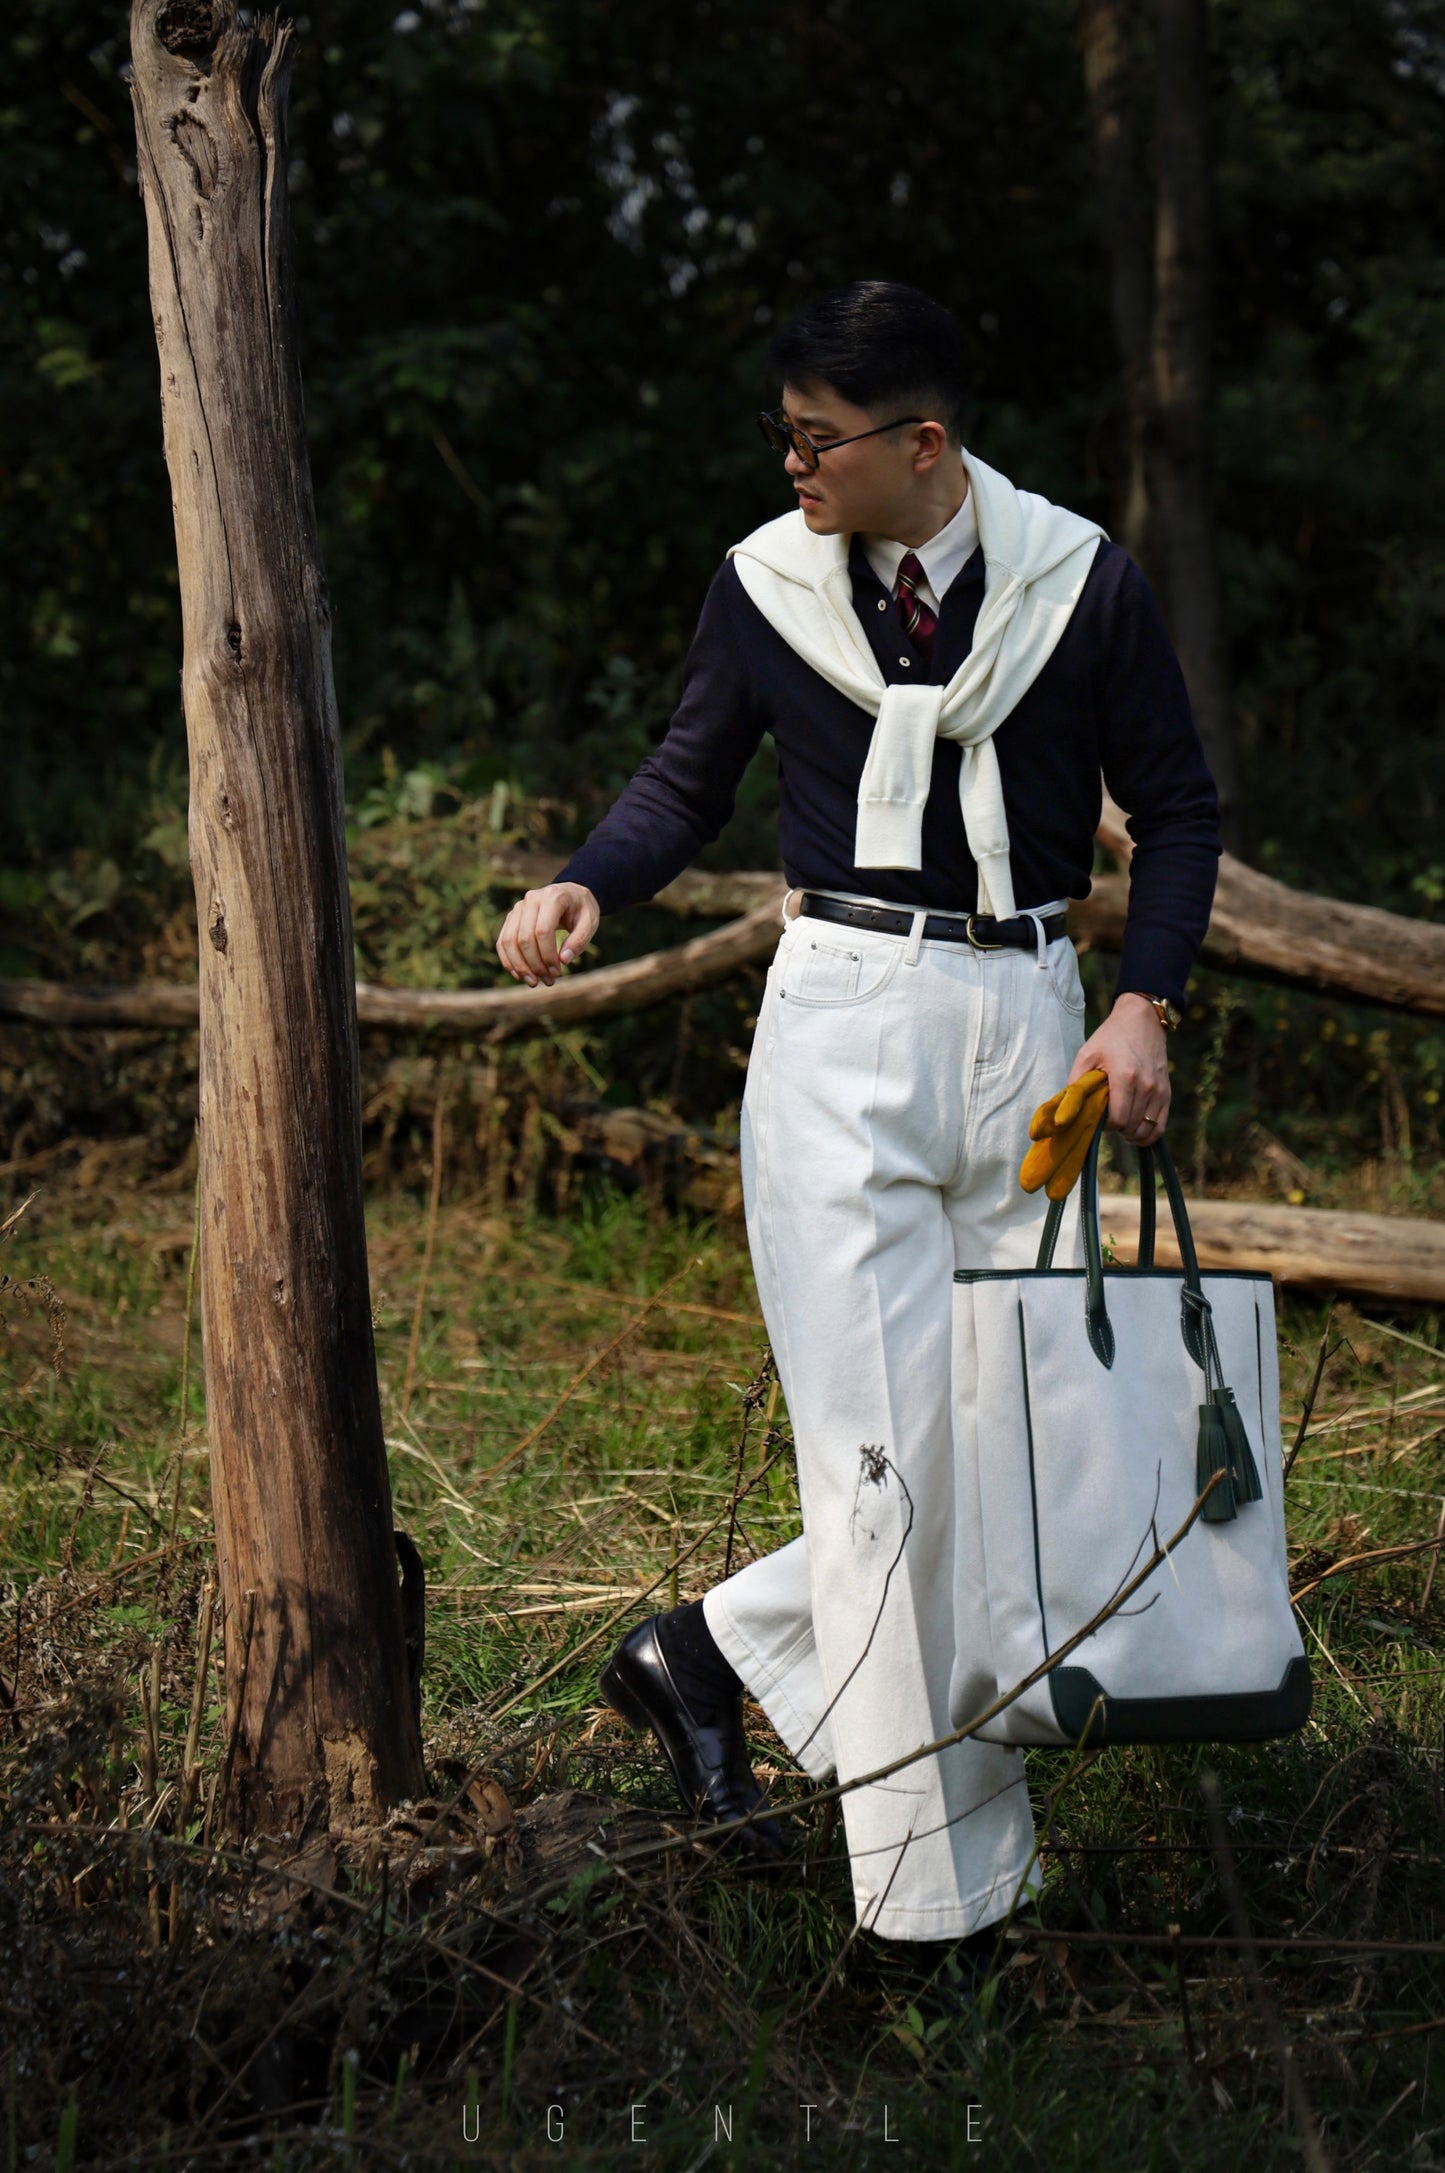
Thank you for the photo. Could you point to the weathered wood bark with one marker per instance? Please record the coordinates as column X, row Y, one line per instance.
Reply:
column 1269, row 932
column 1263, row 928
column 1183, row 528
column 298, row 1465
column 1104, row 35
column 1309, row 1248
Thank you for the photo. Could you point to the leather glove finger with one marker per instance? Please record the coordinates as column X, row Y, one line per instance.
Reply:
column 1061, row 1182
column 1083, row 1124
column 1043, row 1122
column 1037, row 1165
column 1047, row 1156
column 1075, row 1096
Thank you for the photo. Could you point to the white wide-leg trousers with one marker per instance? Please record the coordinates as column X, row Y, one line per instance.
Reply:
column 885, row 1116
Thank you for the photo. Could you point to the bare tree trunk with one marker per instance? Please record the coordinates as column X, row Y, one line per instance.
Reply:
column 298, row 1465
column 1108, row 79
column 1184, row 529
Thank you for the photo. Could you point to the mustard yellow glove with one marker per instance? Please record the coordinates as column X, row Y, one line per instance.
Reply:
column 1061, row 1180
column 1061, row 1129
column 1060, row 1110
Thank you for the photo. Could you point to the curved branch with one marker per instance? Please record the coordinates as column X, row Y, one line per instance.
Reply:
column 1259, row 927
column 490, row 1013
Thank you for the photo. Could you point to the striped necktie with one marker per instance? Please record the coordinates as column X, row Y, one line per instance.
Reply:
column 919, row 623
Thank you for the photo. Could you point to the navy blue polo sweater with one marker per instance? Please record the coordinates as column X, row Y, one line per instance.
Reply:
column 1111, row 699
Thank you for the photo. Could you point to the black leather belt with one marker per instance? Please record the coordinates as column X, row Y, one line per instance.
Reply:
column 980, row 929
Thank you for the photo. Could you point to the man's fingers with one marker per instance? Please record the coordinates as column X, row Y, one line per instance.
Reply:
column 1132, row 1090
column 582, row 927
column 527, row 944
column 507, row 950
column 517, row 944
column 1148, row 1119
column 1130, row 1049
column 549, row 912
column 524, row 940
column 569, row 912
column 537, row 935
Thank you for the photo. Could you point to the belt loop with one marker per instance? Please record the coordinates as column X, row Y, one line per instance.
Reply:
column 787, row 894
column 1038, row 921
column 915, row 935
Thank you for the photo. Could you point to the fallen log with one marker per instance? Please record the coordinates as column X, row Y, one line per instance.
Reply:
column 82, row 1003
column 1306, row 1248
column 1385, row 1258
column 633, row 986
column 1263, row 928
column 488, row 1014
column 1259, row 927
column 1373, row 1256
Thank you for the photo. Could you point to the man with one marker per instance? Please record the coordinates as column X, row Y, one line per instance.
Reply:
column 946, row 665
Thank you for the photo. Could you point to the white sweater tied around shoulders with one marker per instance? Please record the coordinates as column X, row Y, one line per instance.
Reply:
column 1036, row 558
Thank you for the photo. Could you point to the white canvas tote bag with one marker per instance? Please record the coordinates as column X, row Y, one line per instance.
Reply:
column 1094, row 1403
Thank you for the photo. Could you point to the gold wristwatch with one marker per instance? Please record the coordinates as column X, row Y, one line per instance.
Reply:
column 1167, row 1013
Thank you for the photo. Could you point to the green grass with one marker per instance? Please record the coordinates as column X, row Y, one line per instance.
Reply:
column 671, row 1982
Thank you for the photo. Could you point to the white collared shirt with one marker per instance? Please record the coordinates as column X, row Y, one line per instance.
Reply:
column 942, row 557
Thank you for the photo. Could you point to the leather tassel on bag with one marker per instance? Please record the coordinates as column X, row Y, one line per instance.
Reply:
column 1213, row 1455
column 1242, row 1466
column 1223, row 1440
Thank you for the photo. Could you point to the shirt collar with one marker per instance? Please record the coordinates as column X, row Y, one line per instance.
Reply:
column 943, row 557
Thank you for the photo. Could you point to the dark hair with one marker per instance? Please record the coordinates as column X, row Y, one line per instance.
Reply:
column 879, row 344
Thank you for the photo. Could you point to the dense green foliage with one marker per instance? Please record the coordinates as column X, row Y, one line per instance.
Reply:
column 540, row 246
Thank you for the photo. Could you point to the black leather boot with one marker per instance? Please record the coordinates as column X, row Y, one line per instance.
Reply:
column 707, row 1751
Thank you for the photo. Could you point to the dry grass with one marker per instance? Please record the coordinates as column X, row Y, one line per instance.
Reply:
column 566, row 1460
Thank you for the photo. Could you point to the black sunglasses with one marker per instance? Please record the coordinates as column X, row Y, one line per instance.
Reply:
column 786, row 437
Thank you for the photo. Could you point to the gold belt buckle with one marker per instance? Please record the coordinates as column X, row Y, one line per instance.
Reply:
column 973, row 939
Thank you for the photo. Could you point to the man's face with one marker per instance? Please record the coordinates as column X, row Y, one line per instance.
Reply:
column 859, row 489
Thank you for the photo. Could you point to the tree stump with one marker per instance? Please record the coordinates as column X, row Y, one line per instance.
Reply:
column 298, row 1465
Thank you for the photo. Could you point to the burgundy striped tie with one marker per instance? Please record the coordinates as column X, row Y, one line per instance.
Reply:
column 919, row 623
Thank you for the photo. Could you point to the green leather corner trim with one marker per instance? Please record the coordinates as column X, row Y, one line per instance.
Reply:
column 1161, row 1275
column 1245, row 1716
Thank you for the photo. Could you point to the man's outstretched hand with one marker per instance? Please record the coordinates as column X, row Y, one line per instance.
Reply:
column 527, row 945
column 1129, row 1049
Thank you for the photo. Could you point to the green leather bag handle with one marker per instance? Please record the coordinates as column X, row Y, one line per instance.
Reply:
column 1193, row 1304
column 1144, row 1258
